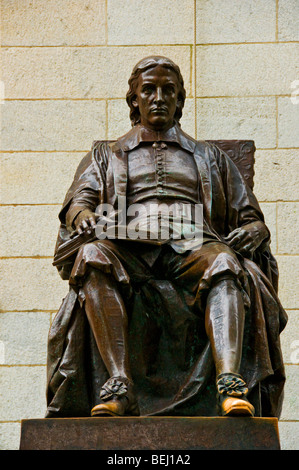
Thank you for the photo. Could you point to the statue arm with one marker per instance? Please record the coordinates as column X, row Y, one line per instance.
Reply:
column 85, row 193
column 248, row 238
column 247, row 230
column 81, row 212
column 87, row 189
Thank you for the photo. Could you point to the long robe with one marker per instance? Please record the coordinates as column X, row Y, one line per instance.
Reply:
column 176, row 385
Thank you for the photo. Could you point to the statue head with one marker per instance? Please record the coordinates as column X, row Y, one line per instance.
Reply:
column 164, row 73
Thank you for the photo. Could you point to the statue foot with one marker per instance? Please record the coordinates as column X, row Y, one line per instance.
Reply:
column 117, row 399
column 232, row 406
column 232, row 391
column 116, row 407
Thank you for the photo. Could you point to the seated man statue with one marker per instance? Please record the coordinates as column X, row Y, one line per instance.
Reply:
column 164, row 326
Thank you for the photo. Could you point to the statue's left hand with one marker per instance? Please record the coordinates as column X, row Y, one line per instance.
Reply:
column 247, row 239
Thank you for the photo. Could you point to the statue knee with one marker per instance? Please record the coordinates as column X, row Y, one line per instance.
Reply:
column 227, row 281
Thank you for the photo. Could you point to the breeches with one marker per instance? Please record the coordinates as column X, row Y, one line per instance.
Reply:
column 132, row 263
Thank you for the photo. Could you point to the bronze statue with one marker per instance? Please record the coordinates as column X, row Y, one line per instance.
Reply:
column 162, row 327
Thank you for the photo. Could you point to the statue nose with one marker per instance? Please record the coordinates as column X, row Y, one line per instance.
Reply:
column 159, row 96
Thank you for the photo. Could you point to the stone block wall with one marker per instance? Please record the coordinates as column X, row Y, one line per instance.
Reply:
column 65, row 66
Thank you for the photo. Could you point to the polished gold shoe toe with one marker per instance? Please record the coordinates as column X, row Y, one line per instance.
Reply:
column 111, row 408
column 233, row 406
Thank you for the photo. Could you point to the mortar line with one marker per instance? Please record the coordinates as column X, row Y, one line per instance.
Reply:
column 286, row 95
column 96, row 46
column 15, row 204
column 276, row 19
column 106, row 123
column 34, row 310
column 118, row 46
column 278, row 148
column 276, row 254
column 44, row 151
column 55, row 99
column 276, row 226
column 191, row 84
column 22, row 365
column 26, row 257
column 106, row 23
column 281, row 201
column 276, row 119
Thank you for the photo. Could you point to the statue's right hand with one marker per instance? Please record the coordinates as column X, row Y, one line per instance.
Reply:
column 85, row 221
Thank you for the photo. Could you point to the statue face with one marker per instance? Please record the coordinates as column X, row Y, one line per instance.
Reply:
column 157, row 97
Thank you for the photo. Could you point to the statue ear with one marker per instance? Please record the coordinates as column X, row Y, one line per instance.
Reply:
column 134, row 103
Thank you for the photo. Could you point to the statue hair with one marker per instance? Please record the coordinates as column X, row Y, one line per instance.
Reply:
column 142, row 66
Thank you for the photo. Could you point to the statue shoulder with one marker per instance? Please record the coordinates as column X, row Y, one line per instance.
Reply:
column 102, row 152
column 207, row 149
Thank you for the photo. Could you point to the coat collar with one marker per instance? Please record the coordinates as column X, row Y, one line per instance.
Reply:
column 140, row 134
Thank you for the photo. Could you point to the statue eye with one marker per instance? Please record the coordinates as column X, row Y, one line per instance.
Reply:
column 169, row 89
column 148, row 89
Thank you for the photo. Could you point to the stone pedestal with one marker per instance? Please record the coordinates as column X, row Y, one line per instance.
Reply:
column 150, row 433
